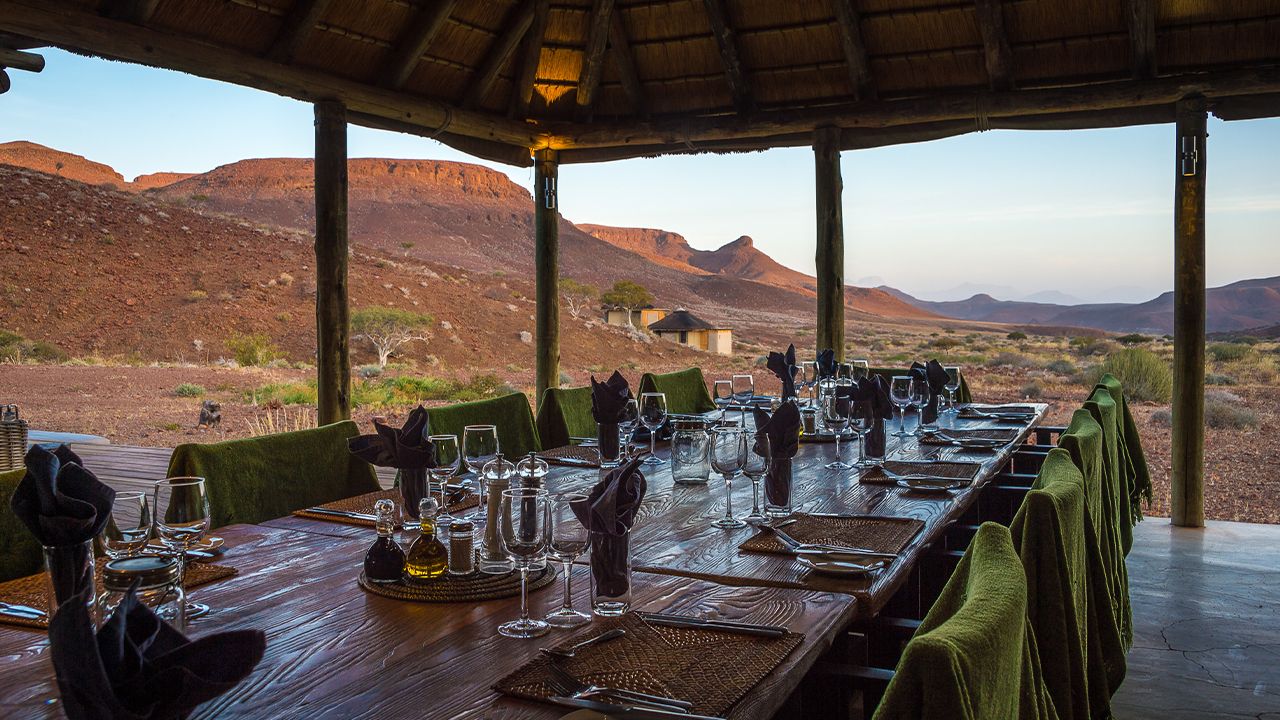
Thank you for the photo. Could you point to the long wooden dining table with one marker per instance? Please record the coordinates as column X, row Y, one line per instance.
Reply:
column 334, row 650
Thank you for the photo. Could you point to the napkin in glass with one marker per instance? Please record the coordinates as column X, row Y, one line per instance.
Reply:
column 784, row 366
column 783, row 430
column 608, row 513
column 935, row 376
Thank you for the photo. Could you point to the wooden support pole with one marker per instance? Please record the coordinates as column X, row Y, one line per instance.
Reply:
column 333, row 346
column 829, row 256
column 546, row 197
column 1187, row 501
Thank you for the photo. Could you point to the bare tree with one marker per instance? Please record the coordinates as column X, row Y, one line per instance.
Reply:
column 578, row 297
column 389, row 329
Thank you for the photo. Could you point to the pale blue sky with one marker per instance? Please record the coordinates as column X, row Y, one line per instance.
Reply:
column 1088, row 213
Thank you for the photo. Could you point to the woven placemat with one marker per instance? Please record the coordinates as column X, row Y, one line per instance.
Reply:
column 31, row 590
column 957, row 470
column 461, row 588
column 872, row 532
column 364, row 504
column 1000, row 434
column 572, row 455
column 711, row 669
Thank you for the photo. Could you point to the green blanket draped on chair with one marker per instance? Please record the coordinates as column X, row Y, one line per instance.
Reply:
column 20, row 553
column 1116, row 497
column 974, row 655
column 565, row 413
column 510, row 413
column 1137, row 474
column 1068, row 605
column 266, row 477
column 686, row 390
column 962, row 394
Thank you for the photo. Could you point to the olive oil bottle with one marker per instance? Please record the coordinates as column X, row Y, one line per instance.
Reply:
column 428, row 557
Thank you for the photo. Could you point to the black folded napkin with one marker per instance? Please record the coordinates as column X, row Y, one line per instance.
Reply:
column 935, row 376
column 784, row 366
column 608, row 403
column 871, row 403
column 826, row 363
column 406, row 449
column 64, row 506
column 137, row 667
column 783, row 431
column 608, row 514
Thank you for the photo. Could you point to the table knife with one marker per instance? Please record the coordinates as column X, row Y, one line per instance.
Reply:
column 773, row 631
column 342, row 513
column 627, row 712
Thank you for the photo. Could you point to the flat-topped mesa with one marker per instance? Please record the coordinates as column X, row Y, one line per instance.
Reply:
column 62, row 164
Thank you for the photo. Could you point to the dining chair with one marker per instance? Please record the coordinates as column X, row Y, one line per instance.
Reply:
column 564, row 414
column 509, row 413
column 1134, row 460
column 20, row 553
column 266, row 477
column 686, row 390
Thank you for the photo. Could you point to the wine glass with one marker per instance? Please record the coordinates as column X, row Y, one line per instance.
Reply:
column 569, row 539
column 653, row 413
column 181, row 520
column 728, row 454
column 755, row 466
column 479, row 446
column 835, row 415
column 627, row 422
column 804, row 373
column 901, row 388
column 862, row 422
column 723, row 395
column 919, row 400
column 861, row 369
column 744, row 391
column 844, row 373
column 524, row 512
column 447, row 461
column 953, row 384
column 128, row 527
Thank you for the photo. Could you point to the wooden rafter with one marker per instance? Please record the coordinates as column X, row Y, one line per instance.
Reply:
column 298, row 23
column 530, row 58
column 593, row 62
column 519, row 20
column 1141, row 15
column 855, row 50
column 414, row 41
column 625, row 61
column 995, row 44
column 728, row 44
column 134, row 11
column 21, row 60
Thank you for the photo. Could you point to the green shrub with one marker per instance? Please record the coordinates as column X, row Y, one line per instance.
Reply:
column 190, row 390
column 252, row 349
column 16, row 349
column 1093, row 346
column 1225, row 410
column 196, row 296
column 1033, row 390
column 1017, row 335
column 1061, row 367
column 945, row 343
column 1144, row 375
column 1227, row 352
column 1010, row 359
column 1218, row 379
column 368, row 371
column 1133, row 339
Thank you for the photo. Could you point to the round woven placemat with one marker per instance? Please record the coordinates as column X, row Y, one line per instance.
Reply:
column 364, row 504
column 572, row 455
column 461, row 588
column 873, row 532
column 30, row 590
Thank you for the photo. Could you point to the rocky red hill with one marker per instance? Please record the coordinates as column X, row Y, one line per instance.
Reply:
column 62, row 164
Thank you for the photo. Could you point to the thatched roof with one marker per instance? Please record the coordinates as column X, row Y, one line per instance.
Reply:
column 681, row 320
column 602, row 79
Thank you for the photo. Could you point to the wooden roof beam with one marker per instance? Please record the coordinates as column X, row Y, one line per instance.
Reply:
column 531, row 58
column 728, row 44
column 995, row 44
column 298, row 23
column 134, row 11
column 593, row 62
column 625, row 60
column 1141, row 15
column 855, row 50
column 21, row 60
column 414, row 41
column 521, row 17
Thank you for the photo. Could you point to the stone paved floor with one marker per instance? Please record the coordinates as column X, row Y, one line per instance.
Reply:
column 1206, row 621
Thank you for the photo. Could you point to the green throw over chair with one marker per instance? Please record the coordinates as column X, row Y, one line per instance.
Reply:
column 974, row 655
column 20, row 553
column 1116, row 498
column 565, row 413
column 1073, row 623
column 1138, row 476
column 686, row 390
column 962, row 393
column 510, row 413
column 266, row 477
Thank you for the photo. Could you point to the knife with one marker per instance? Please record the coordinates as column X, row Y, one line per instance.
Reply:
column 685, row 621
column 627, row 712
column 342, row 513
column 22, row 612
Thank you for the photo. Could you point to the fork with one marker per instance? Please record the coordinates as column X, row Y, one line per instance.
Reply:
column 569, row 685
column 573, row 649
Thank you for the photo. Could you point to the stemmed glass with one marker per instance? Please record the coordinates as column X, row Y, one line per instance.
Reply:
column 129, row 527
column 653, row 413
column 861, row 369
column 744, row 391
column 861, row 422
column 447, row 461
column 181, row 520
column 479, row 446
column 728, row 455
column 723, row 395
column 627, row 424
column 569, row 539
column 919, row 400
column 809, row 378
column 901, row 388
column 953, row 384
column 755, row 466
column 835, row 415
column 524, row 513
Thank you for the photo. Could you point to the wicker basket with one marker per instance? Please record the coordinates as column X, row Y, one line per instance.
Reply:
column 13, row 438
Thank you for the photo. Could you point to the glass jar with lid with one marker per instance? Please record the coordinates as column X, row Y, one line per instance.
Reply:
column 690, row 452
column 495, row 477
column 159, row 587
column 532, row 472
